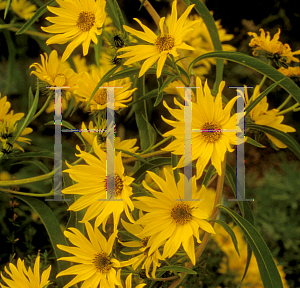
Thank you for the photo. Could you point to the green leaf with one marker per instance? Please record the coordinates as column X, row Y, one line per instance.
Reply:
column 154, row 163
column 11, row 57
column 287, row 84
column 142, row 4
column 53, row 229
column 267, row 267
column 147, row 96
column 6, row 8
column 39, row 164
column 187, row 2
column 260, row 97
column 208, row 175
column 115, row 13
column 254, row 143
column 214, row 35
column 41, row 11
column 160, row 93
column 23, row 124
column 285, row 138
column 44, row 154
column 228, row 229
column 146, row 131
column 177, row 269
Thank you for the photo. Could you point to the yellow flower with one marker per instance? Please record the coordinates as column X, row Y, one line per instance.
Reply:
column 275, row 47
column 2, row 4
column 128, row 282
column 161, row 46
column 23, row 8
column 8, row 127
column 200, row 39
column 96, row 268
column 87, row 83
column 21, row 277
column 77, row 21
column 143, row 257
column 57, row 74
column 262, row 116
column 172, row 89
column 172, row 222
column 126, row 145
column 92, row 185
column 208, row 114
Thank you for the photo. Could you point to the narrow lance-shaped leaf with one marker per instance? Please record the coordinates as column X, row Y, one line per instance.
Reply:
column 287, row 84
column 285, row 138
column 267, row 267
column 41, row 11
column 53, row 229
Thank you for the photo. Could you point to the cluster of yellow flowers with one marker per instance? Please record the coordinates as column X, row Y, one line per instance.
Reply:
column 163, row 224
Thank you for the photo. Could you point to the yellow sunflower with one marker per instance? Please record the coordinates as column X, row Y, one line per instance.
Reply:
column 161, row 46
column 96, row 267
column 209, row 120
column 94, row 189
column 23, row 8
column 262, row 116
column 87, row 83
column 78, row 21
column 21, row 277
column 174, row 222
column 127, row 145
column 275, row 47
column 143, row 257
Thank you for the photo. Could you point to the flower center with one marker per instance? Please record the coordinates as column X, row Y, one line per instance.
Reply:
column 102, row 262
column 211, row 131
column 181, row 213
column 165, row 43
column 118, row 184
column 86, row 20
column 145, row 241
column 101, row 96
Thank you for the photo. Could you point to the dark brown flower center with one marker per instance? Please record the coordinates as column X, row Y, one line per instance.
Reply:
column 211, row 131
column 102, row 262
column 86, row 21
column 164, row 43
column 118, row 185
column 181, row 213
column 101, row 96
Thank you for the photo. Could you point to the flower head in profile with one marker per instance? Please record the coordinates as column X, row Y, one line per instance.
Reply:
column 78, row 22
column 8, row 126
column 272, row 48
column 143, row 257
column 210, row 140
column 92, row 185
column 161, row 46
column 87, row 83
column 262, row 116
column 23, row 8
column 127, row 145
column 172, row 222
column 95, row 266
column 21, row 277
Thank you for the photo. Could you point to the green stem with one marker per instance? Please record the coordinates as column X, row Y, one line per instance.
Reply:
column 177, row 71
column 27, row 180
column 156, row 145
column 296, row 110
column 27, row 194
column 43, row 108
column 288, row 109
column 284, row 102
